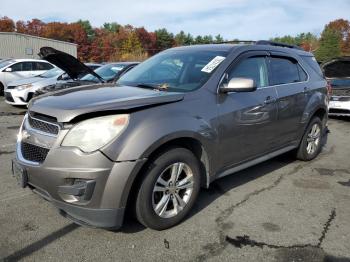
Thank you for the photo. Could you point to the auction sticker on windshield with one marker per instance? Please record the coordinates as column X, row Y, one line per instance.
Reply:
column 213, row 64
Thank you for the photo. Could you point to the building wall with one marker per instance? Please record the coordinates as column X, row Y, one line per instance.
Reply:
column 15, row 45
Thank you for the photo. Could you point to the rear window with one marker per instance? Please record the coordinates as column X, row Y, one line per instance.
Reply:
column 312, row 62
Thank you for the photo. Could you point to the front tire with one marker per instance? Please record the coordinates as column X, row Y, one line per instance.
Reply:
column 311, row 143
column 169, row 189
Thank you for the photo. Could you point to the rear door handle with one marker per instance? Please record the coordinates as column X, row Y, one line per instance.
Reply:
column 269, row 100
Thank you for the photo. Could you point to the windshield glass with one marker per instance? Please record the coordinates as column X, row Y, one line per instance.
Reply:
column 182, row 71
column 340, row 83
column 5, row 63
column 52, row 73
column 107, row 72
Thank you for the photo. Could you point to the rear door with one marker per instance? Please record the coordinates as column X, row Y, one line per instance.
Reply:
column 291, row 83
column 247, row 119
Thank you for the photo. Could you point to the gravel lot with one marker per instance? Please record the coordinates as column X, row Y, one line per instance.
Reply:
column 281, row 210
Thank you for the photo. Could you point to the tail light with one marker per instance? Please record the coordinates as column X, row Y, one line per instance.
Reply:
column 329, row 88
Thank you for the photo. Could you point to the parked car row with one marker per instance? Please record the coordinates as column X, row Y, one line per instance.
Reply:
column 66, row 72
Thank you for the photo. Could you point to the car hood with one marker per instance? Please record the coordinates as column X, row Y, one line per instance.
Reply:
column 337, row 68
column 67, row 104
column 72, row 66
column 25, row 81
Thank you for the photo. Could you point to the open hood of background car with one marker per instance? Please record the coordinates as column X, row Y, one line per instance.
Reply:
column 337, row 68
column 72, row 66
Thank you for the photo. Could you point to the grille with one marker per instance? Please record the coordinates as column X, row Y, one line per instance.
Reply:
column 9, row 97
column 339, row 111
column 43, row 126
column 341, row 92
column 33, row 153
column 11, row 87
column 340, row 98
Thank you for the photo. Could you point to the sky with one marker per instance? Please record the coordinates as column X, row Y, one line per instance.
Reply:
column 233, row 19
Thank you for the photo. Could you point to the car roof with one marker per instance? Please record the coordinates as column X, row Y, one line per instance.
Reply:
column 27, row 60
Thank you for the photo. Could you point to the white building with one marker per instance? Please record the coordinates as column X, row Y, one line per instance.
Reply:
column 15, row 45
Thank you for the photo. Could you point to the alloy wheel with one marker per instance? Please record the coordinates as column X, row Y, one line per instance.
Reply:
column 172, row 190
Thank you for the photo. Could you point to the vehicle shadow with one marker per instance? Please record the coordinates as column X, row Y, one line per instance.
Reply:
column 342, row 118
column 220, row 187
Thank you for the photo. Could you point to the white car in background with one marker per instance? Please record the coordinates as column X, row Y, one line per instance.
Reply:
column 20, row 92
column 14, row 69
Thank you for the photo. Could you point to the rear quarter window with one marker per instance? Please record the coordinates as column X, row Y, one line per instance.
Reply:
column 312, row 62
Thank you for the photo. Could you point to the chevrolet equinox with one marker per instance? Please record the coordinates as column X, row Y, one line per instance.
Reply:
column 171, row 125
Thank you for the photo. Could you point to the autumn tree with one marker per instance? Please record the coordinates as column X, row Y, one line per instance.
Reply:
column 147, row 39
column 342, row 27
column 6, row 24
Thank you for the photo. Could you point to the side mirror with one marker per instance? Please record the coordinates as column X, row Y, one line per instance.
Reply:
column 239, row 84
column 9, row 69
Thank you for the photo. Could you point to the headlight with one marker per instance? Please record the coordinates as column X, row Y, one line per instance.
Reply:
column 22, row 87
column 92, row 134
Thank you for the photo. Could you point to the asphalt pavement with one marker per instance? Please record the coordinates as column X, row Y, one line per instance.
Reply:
column 280, row 210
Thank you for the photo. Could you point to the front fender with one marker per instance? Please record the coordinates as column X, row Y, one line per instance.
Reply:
column 149, row 129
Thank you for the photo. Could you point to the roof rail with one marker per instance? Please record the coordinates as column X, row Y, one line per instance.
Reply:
column 264, row 42
column 237, row 42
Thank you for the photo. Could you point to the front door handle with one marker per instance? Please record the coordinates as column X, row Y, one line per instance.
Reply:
column 269, row 100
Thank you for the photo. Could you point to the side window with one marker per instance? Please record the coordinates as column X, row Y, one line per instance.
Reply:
column 40, row 66
column 284, row 71
column 27, row 66
column 16, row 67
column 254, row 68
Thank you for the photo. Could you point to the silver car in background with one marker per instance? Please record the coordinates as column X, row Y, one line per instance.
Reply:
column 337, row 72
column 20, row 92
column 14, row 69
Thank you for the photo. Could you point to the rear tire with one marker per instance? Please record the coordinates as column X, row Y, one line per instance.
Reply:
column 311, row 143
column 169, row 189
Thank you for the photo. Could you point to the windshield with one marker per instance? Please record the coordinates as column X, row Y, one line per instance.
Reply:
column 107, row 72
column 5, row 63
column 182, row 71
column 52, row 73
column 340, row 83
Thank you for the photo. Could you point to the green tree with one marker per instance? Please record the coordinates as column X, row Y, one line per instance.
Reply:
column 219, row 39
column 112, row 27
column 165, row 39
column 329, row 45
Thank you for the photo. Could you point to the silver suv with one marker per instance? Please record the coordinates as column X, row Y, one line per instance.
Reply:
column 171, row 125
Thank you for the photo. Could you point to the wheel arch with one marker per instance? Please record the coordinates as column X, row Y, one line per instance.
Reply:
column 190, row 143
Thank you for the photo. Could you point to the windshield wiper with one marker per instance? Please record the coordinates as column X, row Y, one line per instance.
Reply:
column 151, row 86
